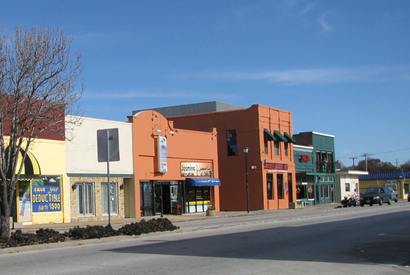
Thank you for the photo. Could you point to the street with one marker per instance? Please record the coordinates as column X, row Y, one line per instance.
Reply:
column 368, row 240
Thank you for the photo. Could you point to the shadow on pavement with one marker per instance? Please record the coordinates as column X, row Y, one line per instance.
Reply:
column 377, row 239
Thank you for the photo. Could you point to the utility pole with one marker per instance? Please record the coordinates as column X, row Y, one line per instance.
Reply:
column 353, row 159
column 366, row 157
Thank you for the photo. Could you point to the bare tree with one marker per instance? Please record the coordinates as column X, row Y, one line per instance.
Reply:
column 37, row 87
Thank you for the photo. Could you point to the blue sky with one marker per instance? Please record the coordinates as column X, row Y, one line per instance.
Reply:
column 341, row 67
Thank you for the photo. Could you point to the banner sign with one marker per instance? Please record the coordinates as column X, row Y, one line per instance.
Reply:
column 162, row 154
column 275, row 166
column 46, row 195
column 196, row 169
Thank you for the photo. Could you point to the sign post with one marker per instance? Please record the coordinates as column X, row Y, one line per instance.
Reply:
column 108, row 150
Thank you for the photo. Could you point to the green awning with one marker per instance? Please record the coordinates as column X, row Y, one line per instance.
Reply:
column 289, row 138
column 279, row 136
column 268, row 135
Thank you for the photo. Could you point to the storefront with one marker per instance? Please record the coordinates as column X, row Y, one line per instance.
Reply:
column 42, row 193
column 303, row 156
column 315, row 162
column 176, row 197
column 255, row 152
column 175, row 170
column 92, row 198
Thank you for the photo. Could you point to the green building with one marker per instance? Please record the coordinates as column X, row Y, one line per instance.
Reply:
column 314, row 155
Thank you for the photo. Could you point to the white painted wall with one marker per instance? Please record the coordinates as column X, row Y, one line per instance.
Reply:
column 81, row 146
column 353, row 182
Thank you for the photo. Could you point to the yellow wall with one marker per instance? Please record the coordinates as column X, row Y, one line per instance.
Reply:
column 401, row 183
column 50, row 155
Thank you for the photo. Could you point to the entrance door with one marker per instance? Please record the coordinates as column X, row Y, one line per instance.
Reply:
column 290, row 184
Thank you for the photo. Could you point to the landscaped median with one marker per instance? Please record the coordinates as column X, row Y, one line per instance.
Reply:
column 43, row 236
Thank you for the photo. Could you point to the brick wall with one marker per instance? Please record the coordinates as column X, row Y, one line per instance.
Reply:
column 98, row 215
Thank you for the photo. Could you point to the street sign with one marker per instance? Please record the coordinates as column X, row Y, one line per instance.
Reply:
column 108, row 145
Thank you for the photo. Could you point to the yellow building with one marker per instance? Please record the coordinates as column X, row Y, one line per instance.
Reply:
column 399, row 181
column 42, row 194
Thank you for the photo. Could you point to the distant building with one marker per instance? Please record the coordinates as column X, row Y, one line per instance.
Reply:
column 399, row 181
column 254, row 143
column 323, row 176
column 348, row 184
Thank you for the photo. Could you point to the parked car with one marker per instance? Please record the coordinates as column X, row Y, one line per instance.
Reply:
column 394, row 195
column 378, row 195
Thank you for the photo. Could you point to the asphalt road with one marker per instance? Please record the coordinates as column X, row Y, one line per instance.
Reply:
column 369, row 240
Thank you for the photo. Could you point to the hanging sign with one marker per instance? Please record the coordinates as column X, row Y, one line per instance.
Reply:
column 162, row 150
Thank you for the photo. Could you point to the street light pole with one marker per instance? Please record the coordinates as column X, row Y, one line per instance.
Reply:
column 245, row 152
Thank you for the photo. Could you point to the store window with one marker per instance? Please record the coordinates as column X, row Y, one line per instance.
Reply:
column 347, row 187
column 277, row 148
column 231, row 142
column 113, row 197
column 266, row 148
column 280, row 186
column 197, row 199
column 85, row 198
column 269, row 181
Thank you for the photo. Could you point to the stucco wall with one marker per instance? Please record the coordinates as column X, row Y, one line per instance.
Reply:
column 50, row 155
column 82, row 146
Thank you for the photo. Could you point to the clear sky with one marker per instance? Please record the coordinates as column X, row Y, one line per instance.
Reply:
column 341, row 67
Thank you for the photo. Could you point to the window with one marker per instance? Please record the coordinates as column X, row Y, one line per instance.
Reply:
column 85, row 198
column 286, row 149
column 277, row 148
column 266, row 148
column 231, row 142
column 269, row 181
column 280, row 186
column 113, row 197
column 347, row 187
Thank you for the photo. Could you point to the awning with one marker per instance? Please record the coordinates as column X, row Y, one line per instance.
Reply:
column 200, row 182
column 279, row 136
column 268, row 135
column 290, row 138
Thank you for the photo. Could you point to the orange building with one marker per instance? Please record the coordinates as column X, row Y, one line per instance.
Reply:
column 175, row 170
column 256, row 165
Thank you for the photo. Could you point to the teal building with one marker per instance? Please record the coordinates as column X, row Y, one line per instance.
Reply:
column 314, row 155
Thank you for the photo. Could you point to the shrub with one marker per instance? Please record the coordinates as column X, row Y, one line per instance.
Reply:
column 49, row 236
column 154, row 225
column 19, row 238
column 91, row 232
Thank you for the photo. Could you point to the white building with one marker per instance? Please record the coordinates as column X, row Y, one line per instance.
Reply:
column 348, row 183
column 88, row 177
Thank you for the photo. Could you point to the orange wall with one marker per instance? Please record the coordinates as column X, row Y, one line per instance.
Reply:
column 183, row 146
column 249, row 125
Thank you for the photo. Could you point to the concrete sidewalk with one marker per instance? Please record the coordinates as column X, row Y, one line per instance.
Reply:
column 173, row 218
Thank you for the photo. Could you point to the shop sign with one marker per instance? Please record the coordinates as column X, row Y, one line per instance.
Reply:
column 46, row 195
column 162, row 150
column 275, row 166
column 196, row 169
column 304, row 158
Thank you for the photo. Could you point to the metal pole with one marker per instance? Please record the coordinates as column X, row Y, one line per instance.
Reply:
column 108, row 178
column 162, row 202
column 246, row 180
